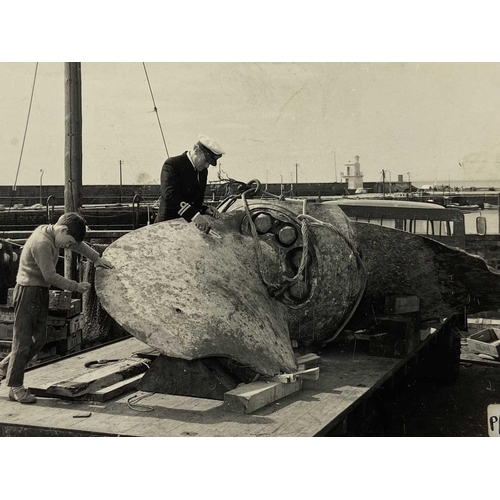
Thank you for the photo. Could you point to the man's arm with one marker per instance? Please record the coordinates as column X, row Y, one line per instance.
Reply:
column 42, row 253
column 83, row 249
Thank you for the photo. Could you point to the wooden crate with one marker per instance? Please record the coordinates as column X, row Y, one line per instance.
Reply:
column 75, row 307
column 56, row 320
column 6, row 331
column 10, row 297
column 49, row 350
column 5, row 348
column 74, row 340
column 55, row 333
column 71, row 344
column 485, row 342
column 75, row 323
column 6, row 314
column 59, row 300
column 396, row 336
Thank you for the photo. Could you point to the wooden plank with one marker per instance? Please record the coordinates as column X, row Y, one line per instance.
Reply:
column 309, row 360
column 250, row 397
column 64, row 369
column 96, row 379
column 114, row 390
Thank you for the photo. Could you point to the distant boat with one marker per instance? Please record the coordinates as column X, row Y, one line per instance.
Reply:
column 465, row 208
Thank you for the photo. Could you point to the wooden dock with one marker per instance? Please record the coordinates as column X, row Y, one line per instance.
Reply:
column 346, row 381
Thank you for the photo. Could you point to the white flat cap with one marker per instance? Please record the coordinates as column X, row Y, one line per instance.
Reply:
column 210, row 148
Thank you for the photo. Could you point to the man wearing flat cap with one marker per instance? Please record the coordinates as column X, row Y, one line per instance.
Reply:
column 183, row 183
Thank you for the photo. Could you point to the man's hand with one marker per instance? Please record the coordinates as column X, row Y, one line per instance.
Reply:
column 100, row 262
column 201, row 222
column 83, row 287
column 213, row 212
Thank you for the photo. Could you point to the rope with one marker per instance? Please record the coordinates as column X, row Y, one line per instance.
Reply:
column 305, row 247
column 256, row 242
column 155, row 109
column 133, row 400
column 22, row 150
column 317, row 222
column 306, row 220
column 258, row 250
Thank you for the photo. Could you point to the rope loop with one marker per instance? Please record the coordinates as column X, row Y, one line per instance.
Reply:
column 249, row 190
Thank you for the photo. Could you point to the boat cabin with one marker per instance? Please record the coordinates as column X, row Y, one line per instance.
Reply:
column 442, row 224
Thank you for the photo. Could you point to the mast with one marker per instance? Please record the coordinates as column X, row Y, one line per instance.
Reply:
column 296, row 179
column 72, row 151
column 335, row 165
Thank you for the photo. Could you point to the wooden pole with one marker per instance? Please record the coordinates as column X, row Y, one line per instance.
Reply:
column 121, row 188
column 296, row 179
column 73, row 152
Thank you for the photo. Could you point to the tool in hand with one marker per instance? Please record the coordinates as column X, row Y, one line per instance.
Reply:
column 213, row 233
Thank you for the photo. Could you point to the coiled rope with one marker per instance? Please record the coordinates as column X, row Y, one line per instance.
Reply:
column 306, row 221
column 285, row 280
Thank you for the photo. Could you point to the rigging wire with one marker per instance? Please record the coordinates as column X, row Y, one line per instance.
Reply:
column 22, row 150
column 155, row 109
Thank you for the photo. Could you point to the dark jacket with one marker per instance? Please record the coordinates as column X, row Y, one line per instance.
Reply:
column 182, row 189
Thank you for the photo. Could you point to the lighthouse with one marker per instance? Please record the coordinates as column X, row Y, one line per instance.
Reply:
column 353, row 174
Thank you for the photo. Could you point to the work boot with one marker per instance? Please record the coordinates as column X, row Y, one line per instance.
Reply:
column 22, row 395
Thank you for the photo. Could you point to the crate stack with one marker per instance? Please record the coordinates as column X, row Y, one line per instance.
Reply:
column 64, row 326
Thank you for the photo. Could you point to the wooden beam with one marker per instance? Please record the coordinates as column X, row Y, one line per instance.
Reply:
column 114, row 390
column 250, row 397
column 309, row 360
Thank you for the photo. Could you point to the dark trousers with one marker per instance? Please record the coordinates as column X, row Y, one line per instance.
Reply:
column 31, row 307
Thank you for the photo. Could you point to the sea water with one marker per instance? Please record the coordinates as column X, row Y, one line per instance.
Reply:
column 478, row 184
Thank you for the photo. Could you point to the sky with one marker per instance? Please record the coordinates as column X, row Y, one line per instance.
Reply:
column 431, row 120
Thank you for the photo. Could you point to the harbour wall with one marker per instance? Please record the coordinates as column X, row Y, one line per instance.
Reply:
column 111, row 194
